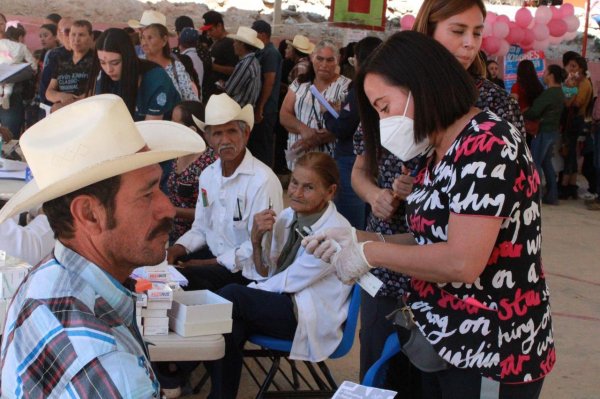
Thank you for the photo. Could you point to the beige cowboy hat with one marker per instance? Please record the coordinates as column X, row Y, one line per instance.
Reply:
column 89, row 141
column 222, row 109
column 149, row 17
column 302, row 44
column 248, row 36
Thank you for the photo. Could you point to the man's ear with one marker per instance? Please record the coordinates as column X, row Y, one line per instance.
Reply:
column 88, row 214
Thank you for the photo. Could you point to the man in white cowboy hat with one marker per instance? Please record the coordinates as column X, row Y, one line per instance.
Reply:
column 298, row 51
column 71, row 330
column 244, row 83
column 232, row 190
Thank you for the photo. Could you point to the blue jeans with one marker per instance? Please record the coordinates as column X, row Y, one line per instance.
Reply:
column 346, row 201
column 542, row 149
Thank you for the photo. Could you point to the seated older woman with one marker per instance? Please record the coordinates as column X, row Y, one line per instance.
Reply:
column 300, row 284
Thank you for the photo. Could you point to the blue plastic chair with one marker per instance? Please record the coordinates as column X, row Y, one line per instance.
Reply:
column 277, row 348
column 375, row 375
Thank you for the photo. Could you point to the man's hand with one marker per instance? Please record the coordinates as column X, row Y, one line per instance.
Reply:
column 175, row 252
column 384, row 204
column 263, row 222
column 198, row 262
column 258, row 115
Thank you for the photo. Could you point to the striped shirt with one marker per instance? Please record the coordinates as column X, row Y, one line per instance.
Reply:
column 244, row 83
column 71, row 332
column 308, row 110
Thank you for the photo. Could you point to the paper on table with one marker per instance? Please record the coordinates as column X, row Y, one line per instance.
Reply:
column 12, row 175
column 323, row 101
column 351, row 390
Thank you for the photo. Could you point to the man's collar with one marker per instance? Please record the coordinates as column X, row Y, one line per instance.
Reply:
column 246, row 167
column 117, row 296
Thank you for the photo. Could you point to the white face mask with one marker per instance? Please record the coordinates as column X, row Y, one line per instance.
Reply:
column 398, row 137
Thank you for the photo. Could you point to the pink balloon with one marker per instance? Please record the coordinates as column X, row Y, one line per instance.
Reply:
column 540, row 32
column 503, row 18
column 557, row 27
column 488, row 30
column 501, row 29
column 504, row 47
column 407, row 21
column 543, row 15
column 528, row 38
column 555, row 12
column 567, row 10
column 491, row 17
column 516, row 35
column 555, row 40
column 523, row 17
column 491, row 45
column 572, row 23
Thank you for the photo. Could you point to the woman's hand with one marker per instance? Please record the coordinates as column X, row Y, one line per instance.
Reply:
column 383, row 203
column 306, row 132
column 403, row 184
column 263, row 222
column 305, row 145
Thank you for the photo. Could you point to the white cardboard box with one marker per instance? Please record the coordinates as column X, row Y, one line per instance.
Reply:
column 154, row 312
column 155, row 321
column 159, row 292
column 200, row 313
column 159, row 305
column 156, row 330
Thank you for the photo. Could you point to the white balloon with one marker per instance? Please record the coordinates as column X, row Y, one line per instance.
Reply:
column 555, row 40
column 572, row 23
column 569, row 36
column 543, row 15
column 504, row 48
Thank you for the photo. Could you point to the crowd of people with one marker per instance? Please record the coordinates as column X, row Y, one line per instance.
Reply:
column 425, row 174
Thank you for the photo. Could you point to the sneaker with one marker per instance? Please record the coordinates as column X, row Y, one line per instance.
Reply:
column 171, row 393
column 589, row 196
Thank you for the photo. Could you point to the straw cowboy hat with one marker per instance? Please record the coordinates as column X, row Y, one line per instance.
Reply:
column 222, row 109
column 302, row 44
column 149, row 17
column 89, row 141
column 248, row 36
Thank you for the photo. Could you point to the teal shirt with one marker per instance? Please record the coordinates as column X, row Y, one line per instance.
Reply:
column 156, row 96
column 547, row 108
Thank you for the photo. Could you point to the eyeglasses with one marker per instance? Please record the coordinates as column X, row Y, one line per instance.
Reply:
column 66, row 31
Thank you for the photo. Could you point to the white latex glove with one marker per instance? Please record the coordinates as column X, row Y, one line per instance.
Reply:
column 350, row 262
column 325, row 250
column 342, row 235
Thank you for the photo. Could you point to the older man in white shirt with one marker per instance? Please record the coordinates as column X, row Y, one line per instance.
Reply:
column 231, row 191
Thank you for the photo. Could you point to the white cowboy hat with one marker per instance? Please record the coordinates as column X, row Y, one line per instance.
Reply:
column 149, row 17
column 222, row 109
column 89, row 141
column 248, row 36
column 302, row 44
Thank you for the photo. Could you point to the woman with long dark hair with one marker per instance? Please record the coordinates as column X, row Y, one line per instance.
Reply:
column 143, row 85
column 528, row 86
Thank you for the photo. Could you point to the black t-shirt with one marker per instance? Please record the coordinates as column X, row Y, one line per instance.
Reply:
column 222, row 54
column 500, row 325
column 73, row 78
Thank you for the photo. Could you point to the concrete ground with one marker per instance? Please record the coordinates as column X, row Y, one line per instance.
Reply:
column 571, row 254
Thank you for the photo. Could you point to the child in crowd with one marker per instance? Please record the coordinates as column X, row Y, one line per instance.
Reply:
column 13, row 51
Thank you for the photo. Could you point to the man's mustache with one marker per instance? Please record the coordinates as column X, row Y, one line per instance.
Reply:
column 164, row 226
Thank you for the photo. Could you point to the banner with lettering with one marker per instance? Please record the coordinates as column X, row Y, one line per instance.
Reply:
column 365, row 14
column 512, row 59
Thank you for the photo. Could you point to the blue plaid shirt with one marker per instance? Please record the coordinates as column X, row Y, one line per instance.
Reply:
column 71, row 332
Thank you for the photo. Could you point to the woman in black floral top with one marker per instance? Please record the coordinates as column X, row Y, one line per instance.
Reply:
column 478, row 292
column 183, row 178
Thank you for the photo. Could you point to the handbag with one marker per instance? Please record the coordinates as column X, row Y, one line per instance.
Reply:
column 532, row 127
column 414, row 344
